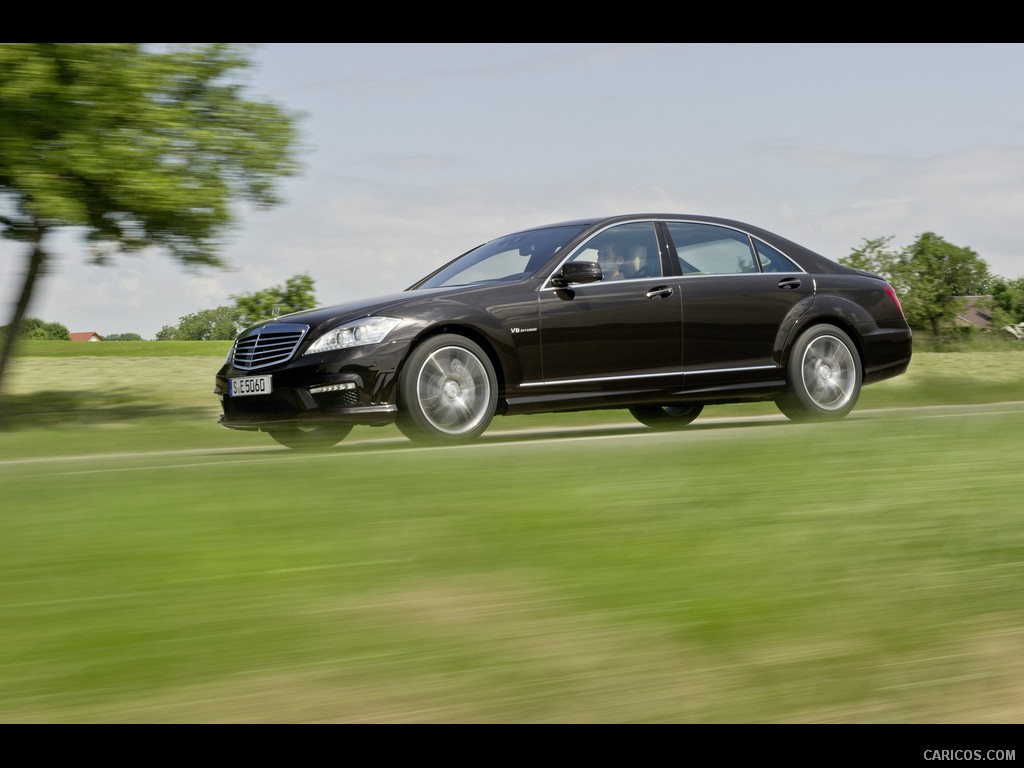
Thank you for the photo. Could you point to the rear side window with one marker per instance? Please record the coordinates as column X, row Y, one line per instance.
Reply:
column 772, row 260
column 706, row 249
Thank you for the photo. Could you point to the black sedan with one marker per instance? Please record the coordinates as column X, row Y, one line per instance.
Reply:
column 660, row 314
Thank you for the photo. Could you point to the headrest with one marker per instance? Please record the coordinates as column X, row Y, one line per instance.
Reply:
column 637, row 256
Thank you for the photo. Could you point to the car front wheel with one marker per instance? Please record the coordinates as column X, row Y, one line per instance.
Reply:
column 310, row 438
column 447, row 391
column 824, row 376
column 666, row 417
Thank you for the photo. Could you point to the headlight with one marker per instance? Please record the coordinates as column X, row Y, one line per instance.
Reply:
column 355, row 333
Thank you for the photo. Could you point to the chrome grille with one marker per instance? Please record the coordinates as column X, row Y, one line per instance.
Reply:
column 267, row 345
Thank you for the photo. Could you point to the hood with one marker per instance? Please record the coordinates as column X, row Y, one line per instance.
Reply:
column 339, row 313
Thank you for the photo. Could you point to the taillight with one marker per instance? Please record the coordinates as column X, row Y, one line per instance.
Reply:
column 895, row 299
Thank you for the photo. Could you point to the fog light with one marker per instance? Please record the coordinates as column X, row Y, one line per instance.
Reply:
column 331, row 388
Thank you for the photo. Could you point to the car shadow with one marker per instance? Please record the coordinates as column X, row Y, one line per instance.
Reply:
column 498, row 437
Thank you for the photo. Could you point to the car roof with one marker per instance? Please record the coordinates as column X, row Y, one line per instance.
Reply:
column 810, row 260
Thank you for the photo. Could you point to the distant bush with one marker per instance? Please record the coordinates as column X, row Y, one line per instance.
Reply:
column 220, row 324
column 968, row 340
column 124, row 337
column 35, row 328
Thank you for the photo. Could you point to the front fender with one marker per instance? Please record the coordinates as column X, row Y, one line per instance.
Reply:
column 499, row 331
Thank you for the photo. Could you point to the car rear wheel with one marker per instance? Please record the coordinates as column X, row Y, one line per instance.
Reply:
column 447, row 391
column 824, row 376
column 310, row 438
column 666, row 417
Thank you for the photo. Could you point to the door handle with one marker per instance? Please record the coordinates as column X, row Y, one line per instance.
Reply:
column 661, row 292
column 789, row 282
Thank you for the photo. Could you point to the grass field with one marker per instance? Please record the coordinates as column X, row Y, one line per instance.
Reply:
column 158, row 568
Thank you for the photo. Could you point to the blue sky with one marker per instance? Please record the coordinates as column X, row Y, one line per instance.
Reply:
column 415, row 153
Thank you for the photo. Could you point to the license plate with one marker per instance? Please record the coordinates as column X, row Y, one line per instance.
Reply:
column 250, row 385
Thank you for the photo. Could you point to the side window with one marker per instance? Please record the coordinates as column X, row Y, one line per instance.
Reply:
column 707, row 249
column 772, row 260
column 625, row 252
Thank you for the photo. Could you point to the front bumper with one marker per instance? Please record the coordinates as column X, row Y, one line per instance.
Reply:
column 352, row 387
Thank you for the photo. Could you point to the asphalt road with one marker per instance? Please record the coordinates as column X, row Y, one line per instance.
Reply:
column 264, row 449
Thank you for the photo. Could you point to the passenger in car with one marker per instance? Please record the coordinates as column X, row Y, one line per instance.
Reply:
column 638, row 264
column 613, row 262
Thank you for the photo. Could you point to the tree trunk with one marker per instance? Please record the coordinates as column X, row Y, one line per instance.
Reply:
column 36, row 264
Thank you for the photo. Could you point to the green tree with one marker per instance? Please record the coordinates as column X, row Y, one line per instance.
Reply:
column 939, row 274
column 135, row 146
column 930, row 276
column 36, row 328
column 1008, row 301
column 124, row 337
column 167, row 333
column 296, row 294
column 221, row 323
column 875, row 256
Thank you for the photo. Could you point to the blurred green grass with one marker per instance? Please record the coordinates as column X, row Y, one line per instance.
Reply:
column 116, row 349
column 747, row 571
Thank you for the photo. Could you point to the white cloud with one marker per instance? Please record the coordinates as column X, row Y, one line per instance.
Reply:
column 419, row 152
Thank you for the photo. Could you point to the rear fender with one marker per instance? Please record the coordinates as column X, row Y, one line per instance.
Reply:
column 827, row 308
column 788, row 327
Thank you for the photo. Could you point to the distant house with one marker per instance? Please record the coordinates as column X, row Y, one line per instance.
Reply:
column 977, row 312
column 87, row 336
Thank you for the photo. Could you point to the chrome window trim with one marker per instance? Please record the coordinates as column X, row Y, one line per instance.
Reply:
column 753, row 240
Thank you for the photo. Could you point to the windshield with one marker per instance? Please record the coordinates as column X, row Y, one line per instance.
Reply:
column 504, row 259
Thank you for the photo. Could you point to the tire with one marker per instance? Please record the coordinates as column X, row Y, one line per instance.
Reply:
column 824, row 376
column 666, row 417
column 447, row 391
column 310, row 438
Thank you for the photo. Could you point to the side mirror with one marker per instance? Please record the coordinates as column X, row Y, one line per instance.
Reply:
column 577, row 272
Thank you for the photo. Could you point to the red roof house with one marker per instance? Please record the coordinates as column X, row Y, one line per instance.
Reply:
column 976, row 312
column 87, row 336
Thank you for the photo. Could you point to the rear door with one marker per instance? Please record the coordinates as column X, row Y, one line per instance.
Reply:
column 736, row 292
